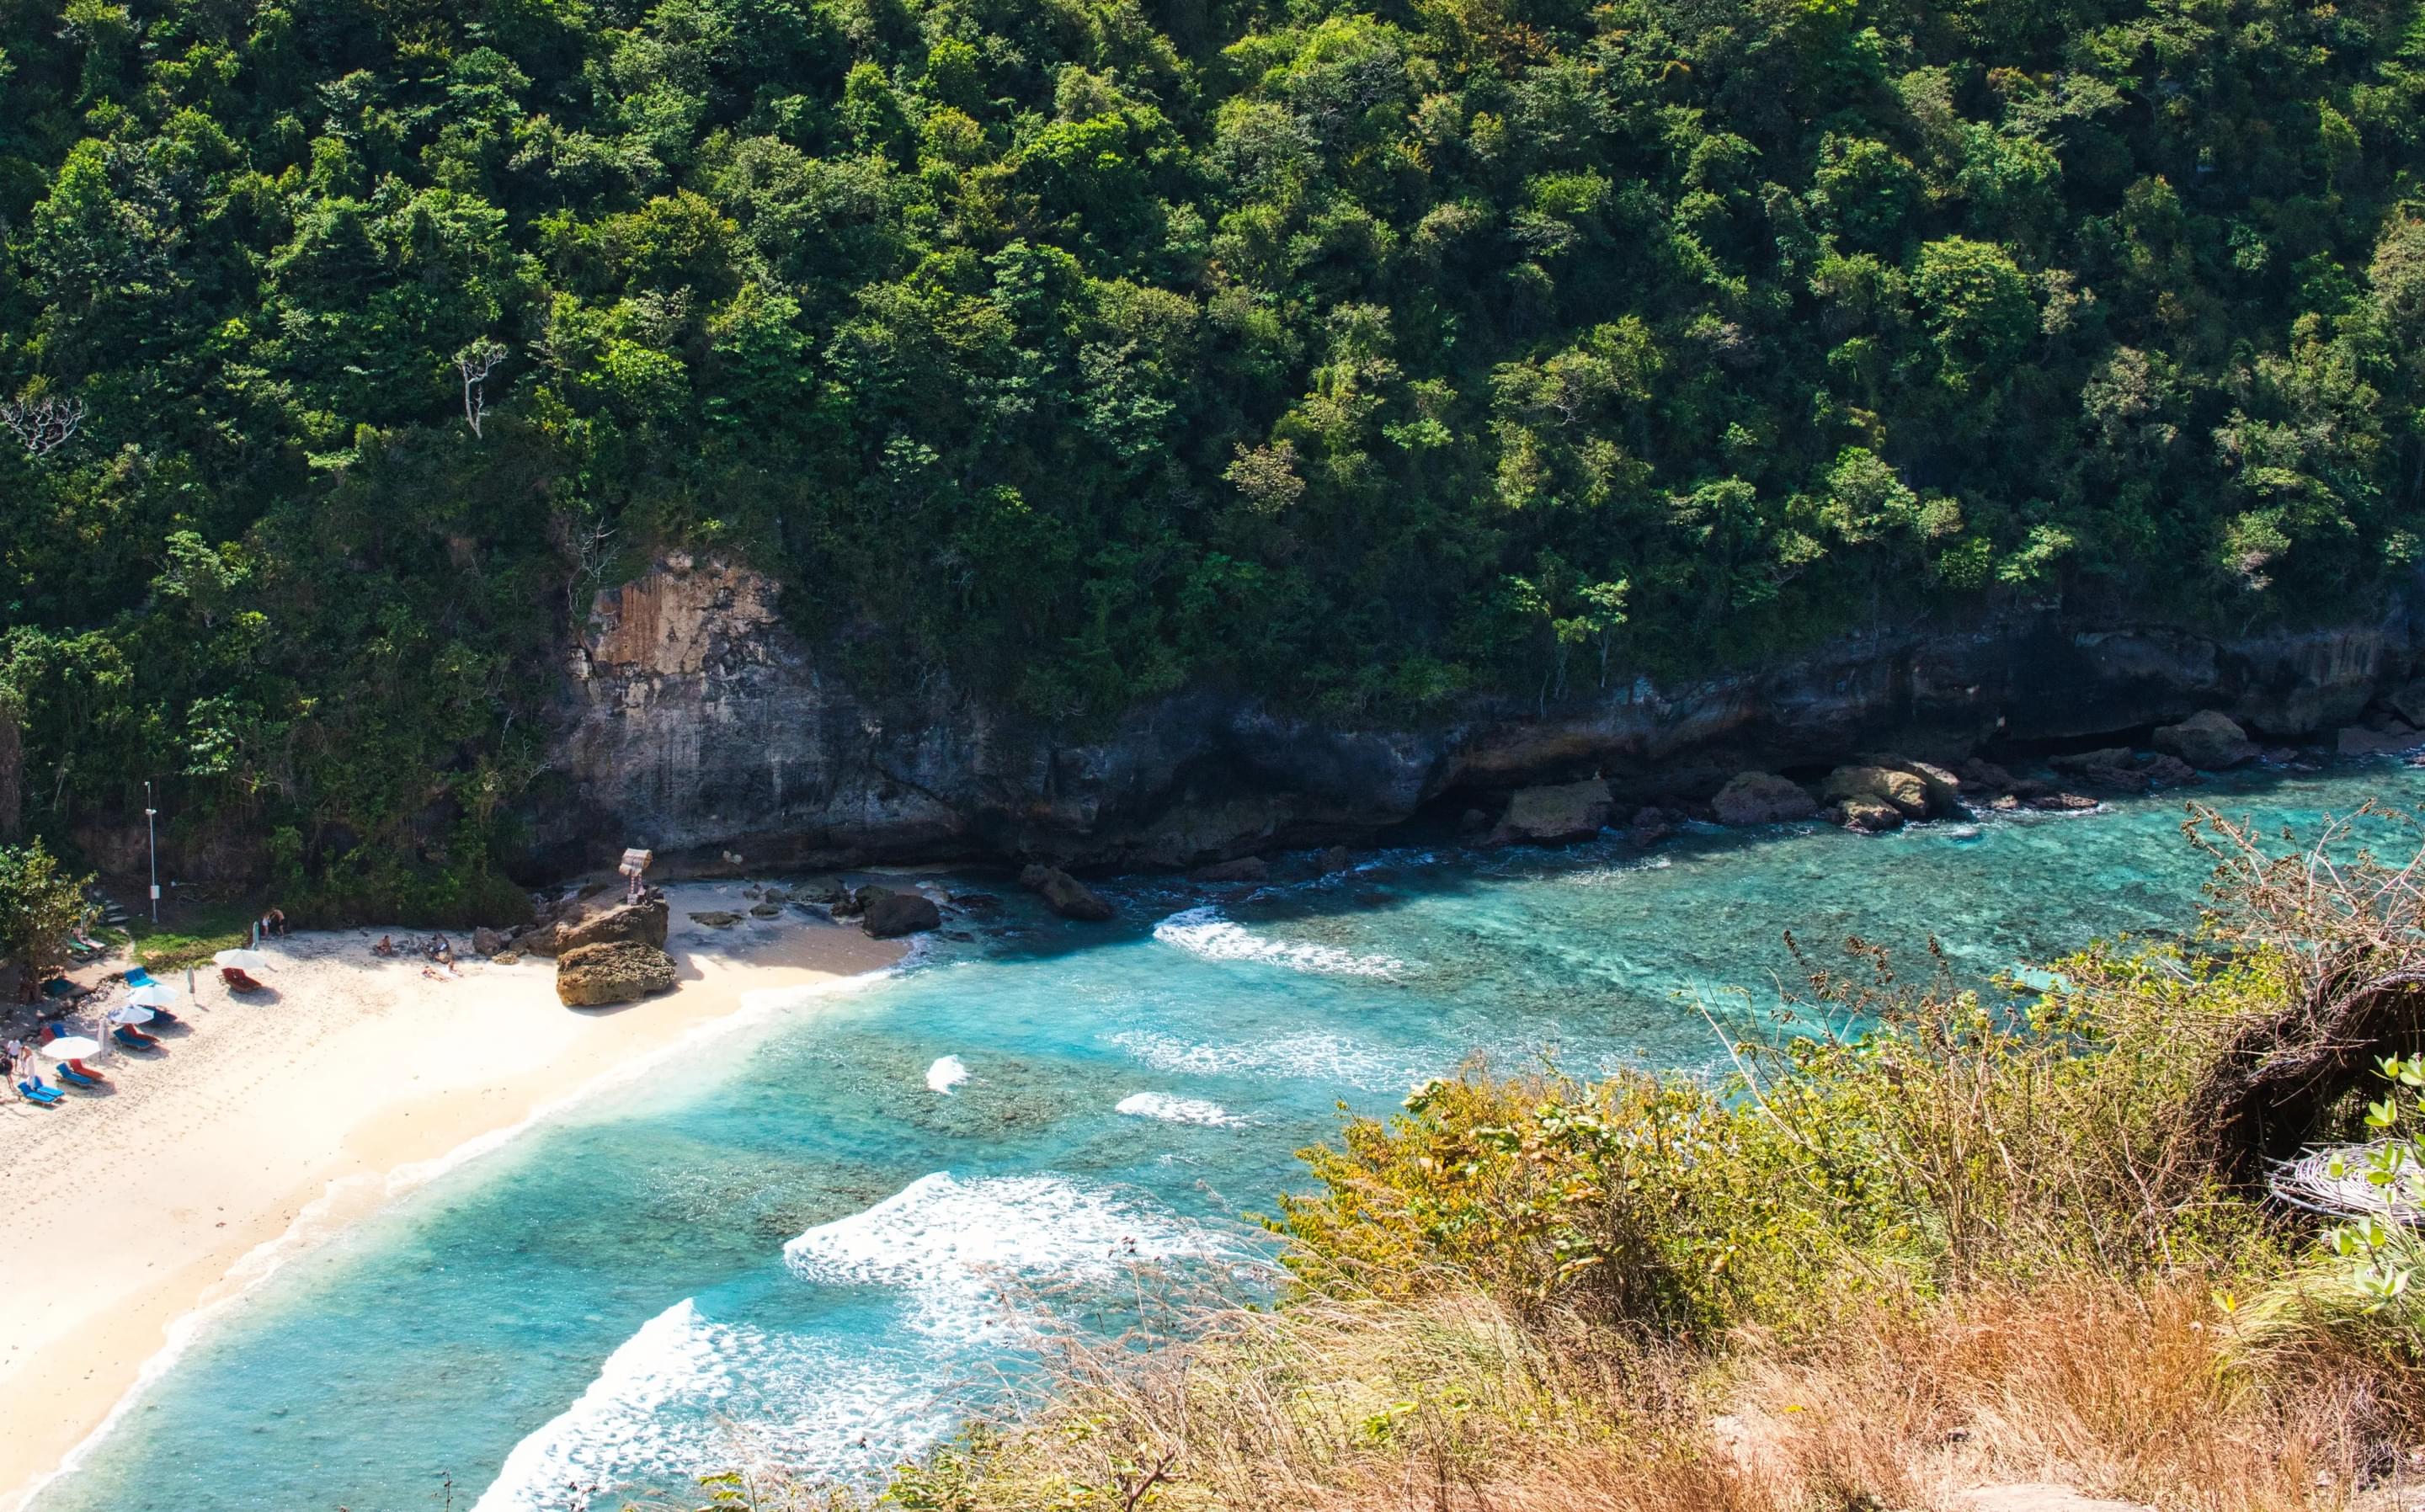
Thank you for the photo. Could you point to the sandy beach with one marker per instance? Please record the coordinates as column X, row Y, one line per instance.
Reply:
column 315, row 1101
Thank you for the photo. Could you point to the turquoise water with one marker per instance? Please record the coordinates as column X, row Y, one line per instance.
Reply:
column 795, row 1249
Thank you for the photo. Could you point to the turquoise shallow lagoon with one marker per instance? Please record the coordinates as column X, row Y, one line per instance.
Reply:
column 798, row 1249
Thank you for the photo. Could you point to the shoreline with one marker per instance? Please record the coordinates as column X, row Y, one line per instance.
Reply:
column 269, row 1126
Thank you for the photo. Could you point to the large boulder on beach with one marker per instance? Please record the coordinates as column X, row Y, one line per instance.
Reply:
column 611, row 970
column 1543, row 815
column 895, row 914
column 1904, row 791
column 488, row 941
column 1761, row 797
column 1065, row 894
column 643, row 922
column 2208, row 740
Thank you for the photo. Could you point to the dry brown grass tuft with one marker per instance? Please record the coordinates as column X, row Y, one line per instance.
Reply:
column 2138, row 1396
column 1453, row 1404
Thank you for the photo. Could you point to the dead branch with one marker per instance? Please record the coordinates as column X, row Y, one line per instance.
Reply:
column 44, row 424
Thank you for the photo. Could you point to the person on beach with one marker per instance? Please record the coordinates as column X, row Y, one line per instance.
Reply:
column 386, row 945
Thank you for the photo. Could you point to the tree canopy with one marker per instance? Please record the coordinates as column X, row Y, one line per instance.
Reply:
column 1083, row 350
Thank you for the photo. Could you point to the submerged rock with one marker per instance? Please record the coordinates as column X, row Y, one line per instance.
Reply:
column 716, row 919
column 1065, row 894
column 1543, row 815
column 895, row 914
column 2208, row 739
column 614, row 971
column 2057, row 802
column 1762, row 797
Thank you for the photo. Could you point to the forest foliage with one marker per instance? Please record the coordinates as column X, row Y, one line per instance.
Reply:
column 1083, row 350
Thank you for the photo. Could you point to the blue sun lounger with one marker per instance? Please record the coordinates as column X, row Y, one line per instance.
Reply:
column 75, row 1078
column 34, row 1092
column 134, row 1038
column 137, row 976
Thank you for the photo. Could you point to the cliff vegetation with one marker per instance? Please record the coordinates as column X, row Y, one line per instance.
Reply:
column 1353, row 356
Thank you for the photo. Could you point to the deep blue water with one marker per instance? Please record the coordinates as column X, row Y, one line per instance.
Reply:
column 798, row 1251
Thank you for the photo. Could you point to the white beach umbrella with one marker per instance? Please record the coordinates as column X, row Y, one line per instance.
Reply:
column 71, row 1047
column 132, row 1013
column 242, row 960
column 153, row 995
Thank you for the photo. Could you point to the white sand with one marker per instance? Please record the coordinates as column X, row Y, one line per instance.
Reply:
column 138, row 1207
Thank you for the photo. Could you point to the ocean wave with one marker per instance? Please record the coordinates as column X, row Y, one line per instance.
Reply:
column 949, row 1247
column 1312, row 1056
column 946, row 1073
column 1177, row 1109
column 687, row 1394
column 1207, row 933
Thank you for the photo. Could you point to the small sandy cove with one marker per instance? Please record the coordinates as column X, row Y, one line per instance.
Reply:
column 138, row 1206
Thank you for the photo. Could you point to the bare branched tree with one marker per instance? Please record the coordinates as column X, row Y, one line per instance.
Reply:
column 589, row 545
column 475, row 363
column 44, row 424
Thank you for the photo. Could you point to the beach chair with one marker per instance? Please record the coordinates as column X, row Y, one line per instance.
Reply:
column 137, row 976
column 34, row 1092
column 88, row 1074
column 59, row 987
column 68, row 1073
column 134, row 1038
column 236, row 979
column 162, row 1018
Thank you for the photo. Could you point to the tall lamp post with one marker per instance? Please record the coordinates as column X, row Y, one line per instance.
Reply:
column 151, row 839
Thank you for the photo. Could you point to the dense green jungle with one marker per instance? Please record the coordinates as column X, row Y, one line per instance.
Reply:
column 1357, row 358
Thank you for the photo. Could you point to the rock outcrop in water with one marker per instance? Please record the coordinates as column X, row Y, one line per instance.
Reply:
column 1762, row 797
column 2208, row 740
column 896, row 914
column 1065, row 894
column 1543, row 815
column 697, row 721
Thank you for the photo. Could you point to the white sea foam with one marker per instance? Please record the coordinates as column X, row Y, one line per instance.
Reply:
column 946, row 1073
column 1310, row 1055
column 686, row 1392
column 1177, row 1109
column 949, row 1245
column 1206, row 932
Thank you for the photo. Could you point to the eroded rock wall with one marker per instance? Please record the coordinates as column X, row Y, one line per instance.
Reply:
column 696, row 722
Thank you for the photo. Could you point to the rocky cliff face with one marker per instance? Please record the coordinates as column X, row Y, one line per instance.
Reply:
column 697, row 723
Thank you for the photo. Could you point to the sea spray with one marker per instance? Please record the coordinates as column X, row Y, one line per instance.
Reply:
column 946, row 1073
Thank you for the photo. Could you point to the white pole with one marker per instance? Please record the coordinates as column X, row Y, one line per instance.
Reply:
column 151, row 839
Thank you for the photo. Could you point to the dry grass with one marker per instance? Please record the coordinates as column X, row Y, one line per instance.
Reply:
column 1452, row 1404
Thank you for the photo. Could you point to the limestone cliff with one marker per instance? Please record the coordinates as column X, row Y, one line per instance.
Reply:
column 696, row 722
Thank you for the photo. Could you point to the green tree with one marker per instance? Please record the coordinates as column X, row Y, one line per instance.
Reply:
column 40, row 908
